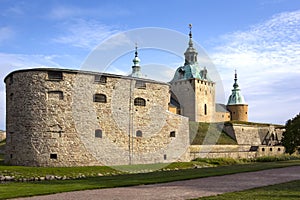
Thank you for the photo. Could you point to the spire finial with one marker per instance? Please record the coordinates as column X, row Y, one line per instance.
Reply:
column 235, row 85
column 190, row 34
column 136, row 47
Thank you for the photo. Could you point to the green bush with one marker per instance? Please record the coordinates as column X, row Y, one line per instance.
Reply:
column 284, row 157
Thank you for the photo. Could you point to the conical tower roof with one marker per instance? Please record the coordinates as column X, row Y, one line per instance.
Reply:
column 236, row 97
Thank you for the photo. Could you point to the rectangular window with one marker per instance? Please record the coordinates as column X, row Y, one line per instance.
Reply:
column 55, row 76
column 100, row 79
column 53, row 156
column 140, row 85
column 99, row 98
column 172, row 134
column 56, row 95
column 98, row 133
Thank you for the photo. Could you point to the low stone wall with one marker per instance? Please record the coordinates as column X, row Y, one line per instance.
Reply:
column 234, row 151
column 254, row 135
column 2, row 135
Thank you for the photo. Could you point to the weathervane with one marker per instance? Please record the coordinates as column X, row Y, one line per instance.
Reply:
column 190, row 26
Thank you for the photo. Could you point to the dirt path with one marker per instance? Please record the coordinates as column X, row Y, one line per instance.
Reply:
column 185, row 189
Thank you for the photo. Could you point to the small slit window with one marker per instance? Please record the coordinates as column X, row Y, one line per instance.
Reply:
column 139, row 133
column 165, row 156
column 279, row 149
column 56, row 95
column 139, row 102
column 100, row 79
column 205, row 109
column 100, row 98
column 263, row 149
column 53, row 156
column 140, row 85
column 98, row 133
column 172, row 134
column 56, row 76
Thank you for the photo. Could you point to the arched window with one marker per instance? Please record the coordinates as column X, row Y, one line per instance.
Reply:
column 100, row 98
column 205, row 109
column 139, row 133
column 139, row 101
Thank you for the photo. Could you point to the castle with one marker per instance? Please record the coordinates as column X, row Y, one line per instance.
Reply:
column 60, row 117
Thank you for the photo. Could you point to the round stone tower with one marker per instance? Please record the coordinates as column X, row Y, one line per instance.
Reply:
column 236, row 103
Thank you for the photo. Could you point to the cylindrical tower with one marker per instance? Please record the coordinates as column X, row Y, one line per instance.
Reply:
column 236, row 103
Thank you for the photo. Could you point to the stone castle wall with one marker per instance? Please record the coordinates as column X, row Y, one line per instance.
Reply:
column 58, row 122
column 196, row 98
column 233, row 151
column 254, row 135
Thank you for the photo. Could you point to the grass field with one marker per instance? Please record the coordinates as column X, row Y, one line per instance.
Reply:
column 284, row 191
column 8, row 190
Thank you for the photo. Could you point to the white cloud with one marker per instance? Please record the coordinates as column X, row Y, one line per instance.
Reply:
column 266, row 56
column 84, row 33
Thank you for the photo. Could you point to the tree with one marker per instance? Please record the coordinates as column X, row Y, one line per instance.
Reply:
column 291, row 136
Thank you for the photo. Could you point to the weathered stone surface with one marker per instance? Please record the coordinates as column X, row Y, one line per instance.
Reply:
column 54, row 122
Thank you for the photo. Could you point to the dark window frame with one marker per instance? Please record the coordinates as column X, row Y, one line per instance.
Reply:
column 53, row 156
column 55, row 75
column 140, row 84
column 139, row 101
column 100, row 79
column 139, row 133
column 100, row 98
column 98, row 133
column 173, row 134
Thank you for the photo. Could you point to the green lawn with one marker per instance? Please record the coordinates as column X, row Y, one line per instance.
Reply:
column 284, row 191
column 8, row 190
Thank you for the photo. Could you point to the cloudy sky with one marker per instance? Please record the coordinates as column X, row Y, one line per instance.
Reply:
column 258, row 38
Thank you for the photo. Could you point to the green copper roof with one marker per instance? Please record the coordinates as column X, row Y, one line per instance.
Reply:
column 236, row 97
column 190, row 71
column 191, row 68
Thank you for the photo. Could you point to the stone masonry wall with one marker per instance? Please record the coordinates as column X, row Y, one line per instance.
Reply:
column 57, row 123
column 253, row 135
column 194, row 95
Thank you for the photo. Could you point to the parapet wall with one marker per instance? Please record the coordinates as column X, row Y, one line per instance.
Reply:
column 254, row 135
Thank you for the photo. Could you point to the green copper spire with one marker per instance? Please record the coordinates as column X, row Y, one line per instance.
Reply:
column 236, row 97
column 136, row 69
column 191, row 68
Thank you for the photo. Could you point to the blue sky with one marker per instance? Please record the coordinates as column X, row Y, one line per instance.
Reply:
column 259, row 38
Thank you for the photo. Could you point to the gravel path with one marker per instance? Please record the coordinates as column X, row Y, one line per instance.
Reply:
column 185, row 189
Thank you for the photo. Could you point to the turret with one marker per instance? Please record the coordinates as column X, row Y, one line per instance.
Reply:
column 136, row 68
column 236, row 103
